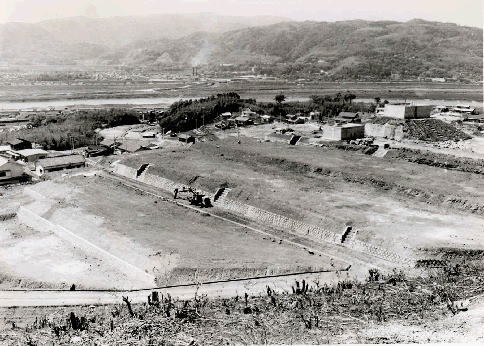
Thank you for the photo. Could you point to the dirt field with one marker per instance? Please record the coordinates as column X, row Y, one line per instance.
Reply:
column 166, row 241
column 392, row 203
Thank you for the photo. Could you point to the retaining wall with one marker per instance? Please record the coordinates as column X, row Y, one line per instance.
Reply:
column 378, row 252
column 138, row 275
column 251, row 212
column 269, row 218
column 278, row 221
column 150, row 179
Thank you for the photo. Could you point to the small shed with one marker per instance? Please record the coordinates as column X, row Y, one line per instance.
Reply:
column 12, row 172
column 31, row 155
column 5, row 148
column 348, row 117
column 243, row 121
column 186, row 138
column 343, row 132
column 149, row 134
column 19, row 144
column 99, row 150
column 58, row 163
column 266, row 118
column 226, row 115
column 248, row 112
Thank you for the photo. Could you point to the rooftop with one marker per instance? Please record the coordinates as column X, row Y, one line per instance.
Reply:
column 3, row 160
column 185, row 135
column 352, row 125
column 348, row 115
column 61, row 161
column 30, row 152
column 242, row 118
column 15, row 141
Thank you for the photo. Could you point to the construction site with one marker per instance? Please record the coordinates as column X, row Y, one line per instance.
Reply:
column 253, row 210
column 356, row 210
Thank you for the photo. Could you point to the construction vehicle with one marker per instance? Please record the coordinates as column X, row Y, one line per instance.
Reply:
column 193, row 196
column 200, row 200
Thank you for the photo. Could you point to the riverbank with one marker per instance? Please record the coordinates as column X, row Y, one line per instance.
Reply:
column 23, row 97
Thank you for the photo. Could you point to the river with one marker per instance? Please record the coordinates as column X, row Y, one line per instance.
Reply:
column 58, row 104
column 166, row 101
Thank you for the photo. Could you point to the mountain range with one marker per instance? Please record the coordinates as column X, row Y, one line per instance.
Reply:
column 347, row 49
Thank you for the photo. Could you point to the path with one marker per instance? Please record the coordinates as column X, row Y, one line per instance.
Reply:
column 228, row 288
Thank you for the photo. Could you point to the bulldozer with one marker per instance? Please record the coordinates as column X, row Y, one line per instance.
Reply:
column 200, row 200
column 193, row 196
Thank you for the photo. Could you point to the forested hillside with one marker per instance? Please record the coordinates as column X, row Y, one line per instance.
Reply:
column 357, row 49
column 350, row 49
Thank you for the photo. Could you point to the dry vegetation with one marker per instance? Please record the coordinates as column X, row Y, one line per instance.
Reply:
column 350, row 311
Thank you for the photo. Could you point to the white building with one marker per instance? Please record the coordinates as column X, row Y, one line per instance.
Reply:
column 343, row 132
column 405, row 111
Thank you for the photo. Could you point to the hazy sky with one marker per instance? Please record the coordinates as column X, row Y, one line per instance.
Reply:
column 465, row 12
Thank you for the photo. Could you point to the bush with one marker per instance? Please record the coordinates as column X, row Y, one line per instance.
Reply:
column 186, row 115
column 59, row 133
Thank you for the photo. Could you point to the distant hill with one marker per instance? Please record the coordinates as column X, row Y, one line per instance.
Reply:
column 351, row 49
column 68, row 40
column 356, row 49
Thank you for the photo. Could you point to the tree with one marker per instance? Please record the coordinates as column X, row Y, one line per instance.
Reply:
column 280, row 98
column 377, row 100
column 349, row 97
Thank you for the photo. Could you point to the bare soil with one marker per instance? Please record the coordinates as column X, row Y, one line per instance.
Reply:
column 393, row 203
column 173, row 244
column 200, row 247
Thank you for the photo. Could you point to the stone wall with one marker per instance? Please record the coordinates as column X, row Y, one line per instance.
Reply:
column 270, row 219
column 251, row 212
column 278, row 221
column 32, row 219
column 378, row 252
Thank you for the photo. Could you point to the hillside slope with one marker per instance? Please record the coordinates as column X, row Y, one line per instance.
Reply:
column 350, row 49
column 354, row 49
column 79, row 38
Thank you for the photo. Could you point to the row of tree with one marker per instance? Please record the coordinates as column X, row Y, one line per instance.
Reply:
column 77, row 129
column 189, row 114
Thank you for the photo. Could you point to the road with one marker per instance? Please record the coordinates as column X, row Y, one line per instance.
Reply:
column 225, row 289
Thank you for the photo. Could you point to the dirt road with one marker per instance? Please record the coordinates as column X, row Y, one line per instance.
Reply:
column 232, row 288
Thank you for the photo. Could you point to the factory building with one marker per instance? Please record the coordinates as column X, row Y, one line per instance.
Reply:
column 405, row 111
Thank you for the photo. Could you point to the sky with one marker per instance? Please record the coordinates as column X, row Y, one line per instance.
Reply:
column 463, row 12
